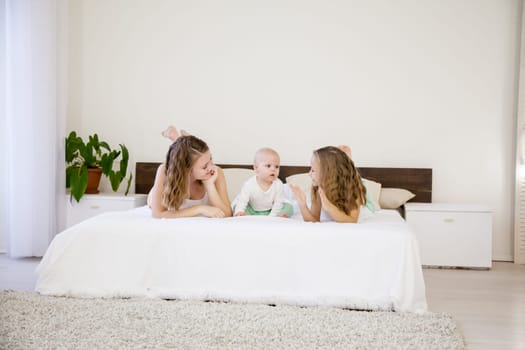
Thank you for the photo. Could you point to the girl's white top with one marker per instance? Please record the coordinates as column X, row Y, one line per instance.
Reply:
column 193, row 202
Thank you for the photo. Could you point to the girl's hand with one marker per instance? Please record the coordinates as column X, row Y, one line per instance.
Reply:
column 298, row 193
column 214, row 175
column 212, row 212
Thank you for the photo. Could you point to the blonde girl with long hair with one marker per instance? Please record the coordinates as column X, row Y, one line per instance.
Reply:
column 188, row 183
column 337, row 190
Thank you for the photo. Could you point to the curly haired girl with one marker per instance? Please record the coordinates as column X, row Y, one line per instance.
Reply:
column 337, row 189
column 188, row 183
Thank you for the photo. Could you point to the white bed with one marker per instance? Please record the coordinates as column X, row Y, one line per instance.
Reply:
column 373, row 265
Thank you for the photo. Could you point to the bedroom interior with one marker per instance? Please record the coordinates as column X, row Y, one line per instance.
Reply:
column 431, row 85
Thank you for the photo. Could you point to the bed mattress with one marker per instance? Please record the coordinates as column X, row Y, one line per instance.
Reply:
column 372, row 265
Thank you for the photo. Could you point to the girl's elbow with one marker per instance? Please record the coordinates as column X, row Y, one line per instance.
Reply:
column 348, row 220
column 157, row 214
column 352, row 221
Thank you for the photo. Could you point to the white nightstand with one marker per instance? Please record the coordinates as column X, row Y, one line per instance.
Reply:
column 94, row 204
column 452, row 234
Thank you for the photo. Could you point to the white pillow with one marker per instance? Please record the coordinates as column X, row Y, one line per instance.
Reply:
column 303, row 181
column 393, row 198
column 235, row 178
column 290, row 198
column 373, row 190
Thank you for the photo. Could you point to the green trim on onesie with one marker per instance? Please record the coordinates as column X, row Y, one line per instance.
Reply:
column 287, row 210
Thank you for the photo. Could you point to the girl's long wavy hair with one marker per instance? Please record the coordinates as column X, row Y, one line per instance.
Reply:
column 339, row 179
column 179, row 162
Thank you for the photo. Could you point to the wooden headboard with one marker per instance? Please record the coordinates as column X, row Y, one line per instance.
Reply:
column 416, row 180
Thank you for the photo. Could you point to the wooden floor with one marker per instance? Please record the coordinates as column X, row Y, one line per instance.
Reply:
column 489, row 305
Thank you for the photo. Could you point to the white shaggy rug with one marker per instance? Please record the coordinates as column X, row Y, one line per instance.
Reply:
column 31, row 321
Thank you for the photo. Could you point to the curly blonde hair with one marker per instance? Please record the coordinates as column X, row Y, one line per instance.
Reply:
column 339, row 179
column 179, row 162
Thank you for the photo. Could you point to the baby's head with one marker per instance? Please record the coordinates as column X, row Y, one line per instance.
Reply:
column 266, row 165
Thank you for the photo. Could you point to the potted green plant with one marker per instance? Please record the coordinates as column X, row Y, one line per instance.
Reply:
column 85, row 159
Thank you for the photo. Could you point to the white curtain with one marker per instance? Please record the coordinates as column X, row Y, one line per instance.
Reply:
column 519, row 200
column 33, row 126
column 3, row 133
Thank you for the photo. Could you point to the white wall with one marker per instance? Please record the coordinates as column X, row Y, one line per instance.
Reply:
column 429, row 83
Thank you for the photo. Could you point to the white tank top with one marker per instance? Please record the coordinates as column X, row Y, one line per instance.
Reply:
column 325, row 216
column 193, row 202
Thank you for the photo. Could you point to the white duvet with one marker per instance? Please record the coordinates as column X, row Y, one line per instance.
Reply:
column 372, row 265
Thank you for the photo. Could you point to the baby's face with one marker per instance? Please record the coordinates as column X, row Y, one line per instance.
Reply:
column 267, row 169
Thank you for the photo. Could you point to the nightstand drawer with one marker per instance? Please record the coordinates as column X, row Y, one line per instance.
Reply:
column 452, row 235
column 91, row 205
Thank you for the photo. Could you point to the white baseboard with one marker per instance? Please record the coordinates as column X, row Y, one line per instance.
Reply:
column 509, row 258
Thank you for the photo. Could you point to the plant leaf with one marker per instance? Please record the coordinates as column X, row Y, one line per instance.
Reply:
column 105, row 145
column 70, row 172
column 115, row 179
column 124, row 161
column 78, row 182
column 129, row 184
column 73, row 145
column 106, row 163
column 88, row 153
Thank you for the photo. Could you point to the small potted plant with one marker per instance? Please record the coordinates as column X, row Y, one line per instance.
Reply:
column 86, row 162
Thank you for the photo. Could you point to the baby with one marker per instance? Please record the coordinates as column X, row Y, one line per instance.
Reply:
column 263, row 194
